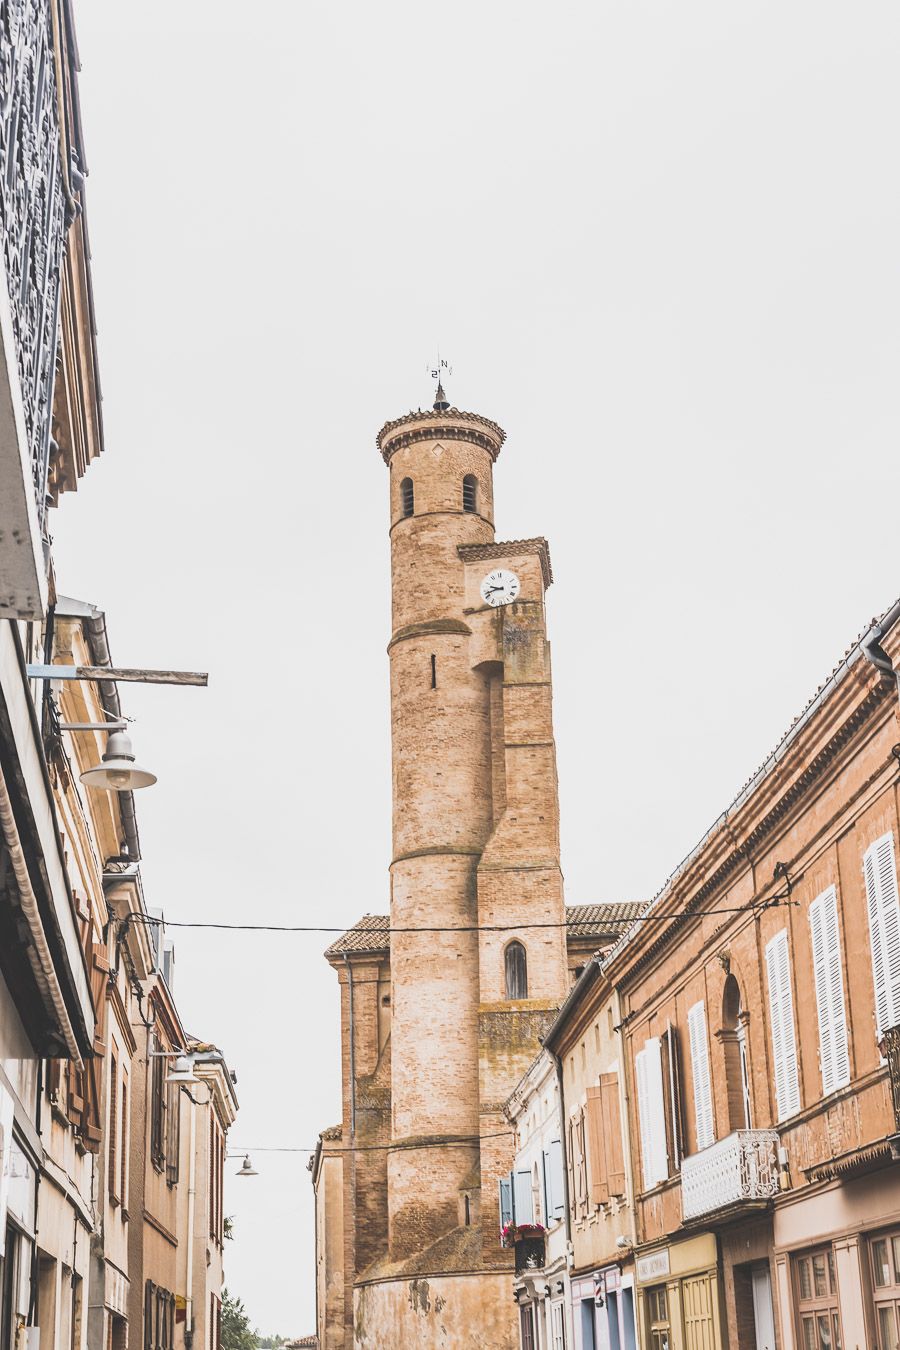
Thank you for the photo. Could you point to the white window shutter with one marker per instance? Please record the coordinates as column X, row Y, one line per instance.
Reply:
column 651, row 1113
column 555, row 1175
column 506, row 1209
column 880, row 871
column 703, row 1106
column 781, row 1009
column 829, row 980
column 523, row 1211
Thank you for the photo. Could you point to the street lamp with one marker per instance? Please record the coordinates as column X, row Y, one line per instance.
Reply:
column 246, row 1169
column 182, row 1071
column 118, row 772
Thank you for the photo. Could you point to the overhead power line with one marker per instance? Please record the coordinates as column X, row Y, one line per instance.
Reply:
column 454, row 928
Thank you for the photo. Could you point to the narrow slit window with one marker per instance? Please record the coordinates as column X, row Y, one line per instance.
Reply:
column 516, row 971
column 468, row 1212
column 433, row 671
column 407, row 497
column 470, row 492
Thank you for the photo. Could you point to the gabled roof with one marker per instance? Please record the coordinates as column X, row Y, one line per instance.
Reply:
column 592, row 920
column 372, row 933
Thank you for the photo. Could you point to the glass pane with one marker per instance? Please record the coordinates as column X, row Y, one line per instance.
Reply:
column 881, row 1271
column 836, row 1324
column 819, row 1281
column 887, row 1327
column 805, row 1282
column 809, row 1334
column 831, row 1275
column 824, row 1331
column 895, row 1242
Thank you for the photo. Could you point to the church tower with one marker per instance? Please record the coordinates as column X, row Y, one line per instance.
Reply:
column 475, row 977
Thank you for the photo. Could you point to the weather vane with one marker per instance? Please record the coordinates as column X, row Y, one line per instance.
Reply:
column 439, row 371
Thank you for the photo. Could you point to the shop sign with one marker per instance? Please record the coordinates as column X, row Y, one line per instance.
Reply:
column 652, row 1267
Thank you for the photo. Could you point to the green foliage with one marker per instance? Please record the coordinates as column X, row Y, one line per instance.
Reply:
column 237, row 1333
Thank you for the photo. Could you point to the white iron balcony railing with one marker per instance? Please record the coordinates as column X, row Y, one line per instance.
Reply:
column 742, row 1167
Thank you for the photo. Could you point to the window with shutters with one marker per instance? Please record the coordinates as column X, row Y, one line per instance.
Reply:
column 606, row 1161
column 554, row 1194
column 703, row 1103
column 112, row 1142
column 506, row 1204
column 407, row 497
column 158, row 1110
column 880, row 872
column 651, row 1099
column 781, row 1018
column 816, row 1292
column 124, row 1131
column 733, row 1036
column 578, row 1173
column 173, row 1128
column 526, row 1326
column 558, row 1324
column 834, row 1056
column 470, row 492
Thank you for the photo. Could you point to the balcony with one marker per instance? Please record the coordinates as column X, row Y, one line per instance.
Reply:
column 741, row 1169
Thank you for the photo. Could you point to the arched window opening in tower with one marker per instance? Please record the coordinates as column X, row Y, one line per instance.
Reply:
column 516, row 971
column 433, row 671
column 468, row 1212
column 470, row 492
column 407, row 497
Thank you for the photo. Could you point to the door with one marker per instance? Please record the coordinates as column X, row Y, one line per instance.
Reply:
column 763, row 1312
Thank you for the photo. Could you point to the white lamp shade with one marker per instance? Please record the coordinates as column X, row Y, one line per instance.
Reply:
column 182, row 1071
column 247, row 1169
column 118, row 772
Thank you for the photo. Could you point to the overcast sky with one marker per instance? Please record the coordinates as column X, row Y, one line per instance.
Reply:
column 659, row 244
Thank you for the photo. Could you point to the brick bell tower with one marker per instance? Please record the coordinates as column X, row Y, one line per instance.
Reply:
column 475, row 848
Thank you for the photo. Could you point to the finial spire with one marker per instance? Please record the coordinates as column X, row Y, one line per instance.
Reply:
column 441, row 401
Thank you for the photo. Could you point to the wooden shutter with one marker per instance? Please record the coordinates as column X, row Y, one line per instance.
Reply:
column 506, row 1205
column 703, row 1106
column 612, row 1133
column 596, row 1147
column 523, row 1208
column 651, row 1113
column 113, row 1136
column 880, row 871
column 781, row 1009
column 672, row 1088
column 834, row 1057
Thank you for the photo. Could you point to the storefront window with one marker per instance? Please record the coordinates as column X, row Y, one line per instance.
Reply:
column 658, row 1312
column 885, row 1254
column 817, row 1300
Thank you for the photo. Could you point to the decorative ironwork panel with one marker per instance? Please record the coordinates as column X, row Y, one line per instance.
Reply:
column 32, row 212
column 890, row 1049
column 741, row 1167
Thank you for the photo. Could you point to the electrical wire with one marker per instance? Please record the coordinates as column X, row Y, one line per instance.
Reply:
column 453, row 928
column 372, row 1148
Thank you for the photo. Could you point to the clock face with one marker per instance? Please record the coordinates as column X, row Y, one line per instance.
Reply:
column 500, row 587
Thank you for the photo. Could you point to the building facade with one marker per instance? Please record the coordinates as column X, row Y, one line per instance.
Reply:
column 81, row 991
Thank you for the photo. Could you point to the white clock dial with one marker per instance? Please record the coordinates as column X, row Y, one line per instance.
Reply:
column 500, row 587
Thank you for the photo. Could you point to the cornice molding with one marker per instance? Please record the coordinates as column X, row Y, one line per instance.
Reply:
column 742, row 853
column 429, row 426
column 430, row 628
column 503, row 549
